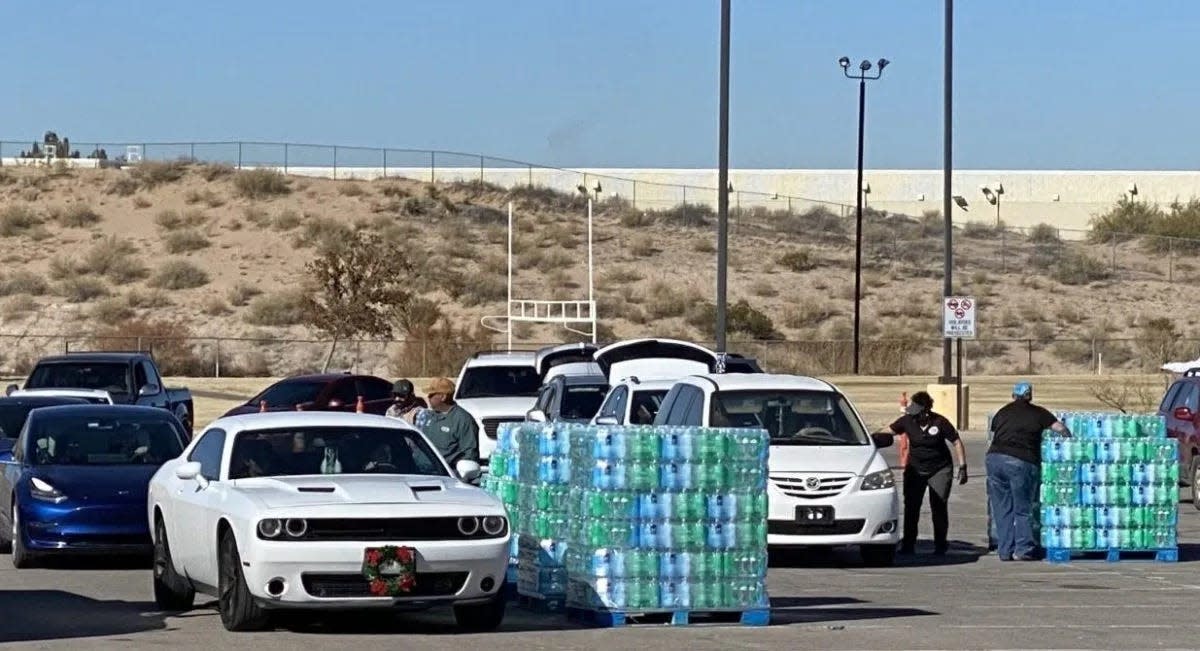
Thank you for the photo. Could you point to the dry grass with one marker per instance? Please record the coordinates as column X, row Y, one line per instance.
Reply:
column 151, row 174
column 279, row 309
column 216, row 306
column 148, row 299
column 24, row 282
column 18, row 306
column 240, row 294
column 178, row 274
column 260, row 184
column 114, row 258
column 111, row 310
column 185, row 241
column 18, row 220
column 77, row 215
column 81, row 289
column 205, row 196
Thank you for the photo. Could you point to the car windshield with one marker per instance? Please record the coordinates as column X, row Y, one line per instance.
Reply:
column 104, row 440
column 499, row 382
column 289, row 393
column 791, row 417
column 582, row 402
column 332, row 451
column 645, row 406
column 13, row 417
column 107, row 376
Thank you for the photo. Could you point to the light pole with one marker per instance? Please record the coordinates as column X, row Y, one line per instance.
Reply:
column 862, row 76
column 723, row 180
column 993, row 197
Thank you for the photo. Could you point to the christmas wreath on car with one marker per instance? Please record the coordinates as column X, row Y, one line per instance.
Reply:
column 403, row 575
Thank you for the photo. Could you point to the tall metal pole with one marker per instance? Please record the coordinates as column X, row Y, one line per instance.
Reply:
column 508, row 310
column 947, row 167
column 723, row 181
column 591, row 284
column 862, row 107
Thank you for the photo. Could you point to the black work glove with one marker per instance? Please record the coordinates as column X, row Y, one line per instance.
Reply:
column 962, row 474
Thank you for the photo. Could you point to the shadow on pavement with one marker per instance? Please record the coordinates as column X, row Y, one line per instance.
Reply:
column 960, row 553
column 88, row 563
column 40, row 615
column 814, row 610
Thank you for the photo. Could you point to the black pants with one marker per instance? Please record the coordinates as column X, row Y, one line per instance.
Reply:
column 938, row 483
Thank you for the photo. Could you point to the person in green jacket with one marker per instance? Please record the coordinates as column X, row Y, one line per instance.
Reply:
column 449, row 427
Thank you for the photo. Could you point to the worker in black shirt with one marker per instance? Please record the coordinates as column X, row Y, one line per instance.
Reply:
column 926, row 463
column 1014, row 468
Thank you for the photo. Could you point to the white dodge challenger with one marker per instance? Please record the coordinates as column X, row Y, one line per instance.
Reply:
column 324, row 510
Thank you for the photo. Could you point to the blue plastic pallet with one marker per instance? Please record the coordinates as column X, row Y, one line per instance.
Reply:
column 1063, row 555
column 613, row 618
column 540, row 603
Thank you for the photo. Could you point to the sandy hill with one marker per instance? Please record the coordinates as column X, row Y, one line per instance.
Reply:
column 169, row 249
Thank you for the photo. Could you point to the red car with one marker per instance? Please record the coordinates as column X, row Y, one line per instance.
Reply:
column 1181, row 408
column 322, row 392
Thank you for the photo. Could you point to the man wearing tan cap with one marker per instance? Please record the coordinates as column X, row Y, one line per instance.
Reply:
column 449, row 427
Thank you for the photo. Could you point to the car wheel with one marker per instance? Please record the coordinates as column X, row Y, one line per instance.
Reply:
column 171, row 592
column 878, row 555
column 481, row 618
column 238, row 610
column 1194, row 476
column 21, row 558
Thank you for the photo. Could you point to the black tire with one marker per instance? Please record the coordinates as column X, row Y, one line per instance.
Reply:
column 171, row 591
column 1193, row 471
column 21, row 558
column 878, row 555
column 239, row 612
column 481, row 618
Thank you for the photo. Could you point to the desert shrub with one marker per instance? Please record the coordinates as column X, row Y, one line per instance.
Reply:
column 322, row 229
column 207, row 197
column 642, row 248
column 18, row 306
column 703, row 246
column 1076, row 268
column 148, row 299
column 620, row 276
column 258, row 216
column 538, row 196
column 741, row 319
column 123, row 187
column 981, row 230
column 241, row 293
column 276, row 310
column 185, row 241
column 178, row 274
column 61, row 267
column 764, row 289
column 215, row 306
column 170, row 220
column 1044, row 234
column 141, row 202
column 553, row 260
column 799, row 260
column 351, row 189
column 1180, row 223
column 664, row 301
column 75, row 216
column 150, row 174
column 484, row 289
column 251, row 364
column 394, row 191
column 1072, row 351
column 17, row 220
column 114, row 258
column 111, row 310
column 260, row 184
column 808, row 313
column 286, row 220
column 1125, row 220
column 1158, row 342
column 168, row 340
column 24, row 282
column 81, row 289
column 215, row 171
column 636, row 219
column 817, row 223
column 416, row 319
column 686, row 215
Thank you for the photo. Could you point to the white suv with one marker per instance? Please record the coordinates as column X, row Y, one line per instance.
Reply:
column 829, row 485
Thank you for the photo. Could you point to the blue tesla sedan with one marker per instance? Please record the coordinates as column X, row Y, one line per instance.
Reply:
column 77, row 477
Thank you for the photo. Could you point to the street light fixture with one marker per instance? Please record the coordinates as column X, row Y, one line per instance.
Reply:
column 862, row 76
column 993, row 197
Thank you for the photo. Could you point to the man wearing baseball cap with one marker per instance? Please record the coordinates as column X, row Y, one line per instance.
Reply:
column 404, row 403
column 449, row 427
column 1014, row 468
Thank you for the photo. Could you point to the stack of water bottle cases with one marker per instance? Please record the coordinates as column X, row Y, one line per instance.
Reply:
column 1112, row 486
column 636, row 519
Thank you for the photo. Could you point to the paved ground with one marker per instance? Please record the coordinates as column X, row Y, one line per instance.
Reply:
column 969, row 600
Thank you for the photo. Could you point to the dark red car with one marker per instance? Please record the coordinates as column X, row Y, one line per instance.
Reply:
column 1181, row 408
column 322, row 392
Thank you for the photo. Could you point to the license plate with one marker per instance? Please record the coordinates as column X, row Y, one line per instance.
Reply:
column 814, row 515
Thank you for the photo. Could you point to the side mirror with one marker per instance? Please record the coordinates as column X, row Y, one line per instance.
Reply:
column 11, row 388
column 1183, row 413
column 607, row 420
column 468, row 470
column 189, row 471
column 883, row 439
column 537, row 416
column 149, row 390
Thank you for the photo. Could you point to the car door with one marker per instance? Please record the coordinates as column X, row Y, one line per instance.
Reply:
column 376, row 393
column 343, row 395
column 191, row 502
column 615, row 405
column 1185, row 429
column 1166, row 409
column 10, row 471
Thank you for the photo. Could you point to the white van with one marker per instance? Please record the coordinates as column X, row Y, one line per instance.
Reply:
column 828, row 483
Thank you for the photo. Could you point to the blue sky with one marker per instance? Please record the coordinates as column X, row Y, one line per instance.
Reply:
column 1040, row 84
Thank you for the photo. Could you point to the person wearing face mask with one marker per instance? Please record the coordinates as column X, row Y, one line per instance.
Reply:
column 926, row 464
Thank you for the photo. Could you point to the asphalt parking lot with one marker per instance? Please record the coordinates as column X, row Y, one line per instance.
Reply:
column 965, row 600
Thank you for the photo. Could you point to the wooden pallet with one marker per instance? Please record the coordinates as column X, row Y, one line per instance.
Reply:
column 760, row 616
column 1062, row 555
column 540, row 603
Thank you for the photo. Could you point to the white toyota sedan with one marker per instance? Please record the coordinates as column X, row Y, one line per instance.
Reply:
column 324, row 510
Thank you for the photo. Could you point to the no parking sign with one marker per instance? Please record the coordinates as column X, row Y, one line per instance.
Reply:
column 958, row 317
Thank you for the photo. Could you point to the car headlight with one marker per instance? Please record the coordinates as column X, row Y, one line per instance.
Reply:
column 40, row 490
column 270, row 528
column 879, row 480
column 296, row 527
column 468, row 526
column 493, row 525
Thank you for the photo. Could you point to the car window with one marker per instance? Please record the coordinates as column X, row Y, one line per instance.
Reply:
column 289, row 393
column 693, row 416
column 792, row 417
column 681, row 406
column 668, row 405
column 1168, row 401
column 104, row 439
column 374, row 389
column 151, row 374
column 333, row 451
column 614, row 405
column 139, row 376
column 1191, row 399
column 499, row 382
column 114, row 377
column 208, row 452
column 346, row 391
column 580, row 402
column 645, row 406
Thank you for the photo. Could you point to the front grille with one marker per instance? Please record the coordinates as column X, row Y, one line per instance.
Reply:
column 492, row 425
column 798, row 485
column 394, row 529
column 335, row 586
column 836, row 528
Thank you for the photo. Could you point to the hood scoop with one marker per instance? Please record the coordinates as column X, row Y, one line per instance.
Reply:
column 431, row 488
column 315, row 489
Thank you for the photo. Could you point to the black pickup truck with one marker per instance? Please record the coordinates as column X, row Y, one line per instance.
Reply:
column 129, row 378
